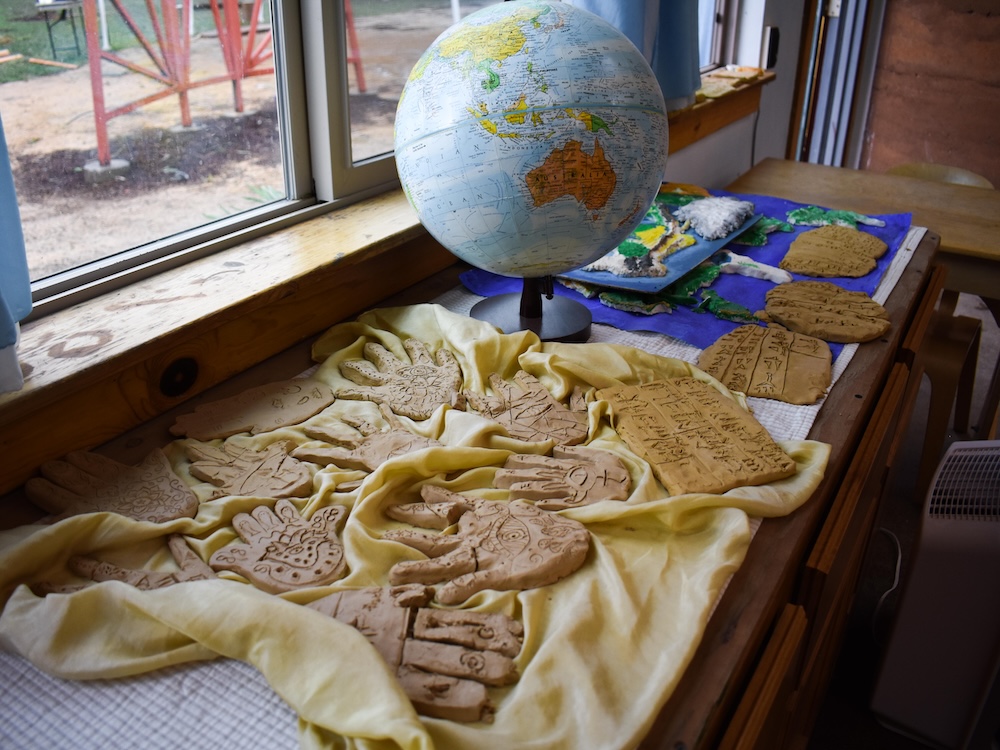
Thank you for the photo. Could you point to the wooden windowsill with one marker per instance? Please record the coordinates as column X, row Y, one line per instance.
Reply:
column 102, row 367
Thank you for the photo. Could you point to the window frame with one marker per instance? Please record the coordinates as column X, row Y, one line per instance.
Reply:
column 312, row 89
column 312, row 94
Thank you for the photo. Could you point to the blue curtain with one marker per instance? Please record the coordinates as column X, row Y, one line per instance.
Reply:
column 15, row 289
column 666, row 33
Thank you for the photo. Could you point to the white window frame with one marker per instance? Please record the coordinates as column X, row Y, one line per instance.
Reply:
column 311, row 74
column 312, row 90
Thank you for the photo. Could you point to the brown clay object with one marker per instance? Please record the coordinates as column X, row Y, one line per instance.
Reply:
column 770, row 363
column 530, row 413
column 833, row 250
column 244, row 471
column 190, row 568
column 415, row 389
column 256, row 410
column 284, row 551
column 365, row 450
column 498, row 545
column 444, row 658
column 694, row 438
column 827, row 311
column 571, row 477
column 84, row 482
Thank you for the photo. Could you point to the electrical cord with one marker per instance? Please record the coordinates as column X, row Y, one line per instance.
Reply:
column 895, row 580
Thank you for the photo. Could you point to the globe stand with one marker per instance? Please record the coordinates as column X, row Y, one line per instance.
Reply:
column 539, row 310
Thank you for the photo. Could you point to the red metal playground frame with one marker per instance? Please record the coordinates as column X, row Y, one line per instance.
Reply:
column 169, row 53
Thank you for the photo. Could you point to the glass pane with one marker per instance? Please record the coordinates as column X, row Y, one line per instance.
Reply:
column 385, row 38
column 708, row 33
column 188, row 134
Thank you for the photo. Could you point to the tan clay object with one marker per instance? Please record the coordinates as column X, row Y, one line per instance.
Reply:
column 251, row 473
column 571, row 477
column 367, row 449
column 413, row 390
column 191, row 568
column 770, row 363
column 827, row 311
column 256, row 410
column 530, row 413
column 498, row 545
column 443, row 658
column 694, row 438
column 284, row 551
column 833, row 250
column 91, row 483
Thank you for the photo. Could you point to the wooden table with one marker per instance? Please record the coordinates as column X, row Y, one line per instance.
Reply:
column 966, row 218
column 760, row 673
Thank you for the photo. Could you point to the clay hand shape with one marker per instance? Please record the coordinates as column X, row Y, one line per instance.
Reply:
column 530, row 413
column 369, row 449
column 572, row 477
column 191, row 568
column 284, row 551
column 498, row 545
column 248, row 472
column 412, row 390
column 444, row 658
column 90, row 483
column 257, row 410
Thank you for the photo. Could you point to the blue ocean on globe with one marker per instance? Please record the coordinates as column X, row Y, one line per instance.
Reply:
column 530, row 138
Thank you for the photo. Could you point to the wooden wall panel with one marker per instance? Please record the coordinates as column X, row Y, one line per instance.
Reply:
column 936, row 93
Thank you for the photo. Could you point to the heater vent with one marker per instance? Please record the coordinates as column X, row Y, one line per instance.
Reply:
column 967, row 484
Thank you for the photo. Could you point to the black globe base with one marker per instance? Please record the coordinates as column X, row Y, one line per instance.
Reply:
column 537, row 309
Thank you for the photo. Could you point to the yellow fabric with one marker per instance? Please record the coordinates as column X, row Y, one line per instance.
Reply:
column 603, row 648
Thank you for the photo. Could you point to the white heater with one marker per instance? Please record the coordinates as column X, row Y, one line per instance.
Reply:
column 938, row 682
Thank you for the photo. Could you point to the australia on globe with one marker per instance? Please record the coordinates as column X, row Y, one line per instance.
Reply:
column 531, row 138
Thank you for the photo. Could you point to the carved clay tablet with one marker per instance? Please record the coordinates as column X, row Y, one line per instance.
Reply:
column 833, row 251
column 770, row 363
column 827, row 311
column 694, row 438
column 256, row 410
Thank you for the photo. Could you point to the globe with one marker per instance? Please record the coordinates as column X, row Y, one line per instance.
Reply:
column 531, row 138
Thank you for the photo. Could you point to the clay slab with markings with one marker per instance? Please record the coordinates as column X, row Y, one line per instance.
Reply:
column 827, row 311
column 694, row 438
column 833, row 251
column 770, row 363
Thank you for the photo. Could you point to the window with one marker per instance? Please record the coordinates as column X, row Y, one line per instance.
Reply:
column 710, row 26
column 305, row 125
column 185, row 175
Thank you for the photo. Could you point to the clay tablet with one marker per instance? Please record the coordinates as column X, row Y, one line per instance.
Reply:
column 256, row 410
column 827, row 311
column 770, row 363
column 833, row 251
column 694, row 438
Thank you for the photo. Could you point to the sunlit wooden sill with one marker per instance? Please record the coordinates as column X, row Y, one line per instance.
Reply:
column 99, row 368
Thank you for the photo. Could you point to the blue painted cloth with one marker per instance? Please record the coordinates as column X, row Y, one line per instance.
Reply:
column 701, row 329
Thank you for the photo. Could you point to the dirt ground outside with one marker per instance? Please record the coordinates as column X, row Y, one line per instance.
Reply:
column 179, row 177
